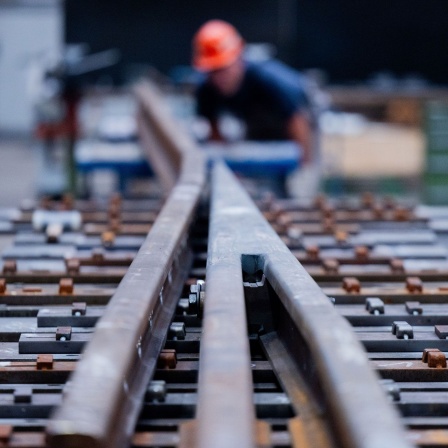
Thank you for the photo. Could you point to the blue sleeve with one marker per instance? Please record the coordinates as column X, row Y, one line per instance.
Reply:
column 284, row 85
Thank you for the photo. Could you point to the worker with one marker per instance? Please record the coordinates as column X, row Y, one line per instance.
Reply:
column 269, row 97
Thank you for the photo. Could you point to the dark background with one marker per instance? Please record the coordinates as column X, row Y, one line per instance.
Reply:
column 349, row 39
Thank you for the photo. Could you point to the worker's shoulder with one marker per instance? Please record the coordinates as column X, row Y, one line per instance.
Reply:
column 275, row 72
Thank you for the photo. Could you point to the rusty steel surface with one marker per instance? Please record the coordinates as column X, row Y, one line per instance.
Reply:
column 109, row 381
column 224, row 374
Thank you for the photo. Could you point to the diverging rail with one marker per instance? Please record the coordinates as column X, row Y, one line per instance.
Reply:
column 321, row 347
column 101, row 406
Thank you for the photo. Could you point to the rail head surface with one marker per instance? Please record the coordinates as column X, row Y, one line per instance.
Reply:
column 101, row 405
column 359, row 409
column 225, row 411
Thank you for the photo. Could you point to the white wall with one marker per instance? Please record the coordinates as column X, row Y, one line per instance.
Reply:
column 27, row 34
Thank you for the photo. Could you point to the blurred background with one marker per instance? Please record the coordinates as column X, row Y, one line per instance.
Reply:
column 379, row 69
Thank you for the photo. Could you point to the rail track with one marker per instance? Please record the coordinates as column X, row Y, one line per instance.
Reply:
column 205, row 318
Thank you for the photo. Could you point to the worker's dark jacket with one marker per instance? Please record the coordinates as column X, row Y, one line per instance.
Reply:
column 270, row 94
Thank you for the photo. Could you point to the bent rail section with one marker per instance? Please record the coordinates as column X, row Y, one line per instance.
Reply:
column 179, row 160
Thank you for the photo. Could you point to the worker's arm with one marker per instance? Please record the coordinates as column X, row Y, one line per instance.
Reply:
column 299, row 130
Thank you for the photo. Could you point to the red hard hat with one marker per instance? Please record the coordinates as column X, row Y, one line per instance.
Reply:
column 216, row 45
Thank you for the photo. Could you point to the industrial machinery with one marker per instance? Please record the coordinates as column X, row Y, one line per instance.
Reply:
column 205, row 318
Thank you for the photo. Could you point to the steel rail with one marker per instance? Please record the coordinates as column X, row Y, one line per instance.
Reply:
column 358, row 408
column 102, row 402
column 225, row 412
